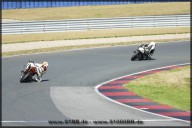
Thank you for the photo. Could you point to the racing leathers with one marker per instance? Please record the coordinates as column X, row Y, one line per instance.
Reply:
column 40, row 71
column 149, row 49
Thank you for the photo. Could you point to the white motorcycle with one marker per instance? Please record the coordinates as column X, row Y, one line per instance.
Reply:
column 144, row 52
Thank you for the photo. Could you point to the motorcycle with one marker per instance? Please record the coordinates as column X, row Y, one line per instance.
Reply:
column 142, row 53
column 26, row 75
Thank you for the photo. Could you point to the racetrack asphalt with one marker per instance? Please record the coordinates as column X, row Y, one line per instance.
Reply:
column 67, row 91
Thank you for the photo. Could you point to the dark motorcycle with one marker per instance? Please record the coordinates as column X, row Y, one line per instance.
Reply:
column 143, row 53
column 26, row 75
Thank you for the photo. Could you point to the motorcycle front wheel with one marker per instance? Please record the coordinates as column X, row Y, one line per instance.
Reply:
column 24, row 77
column 134, row 56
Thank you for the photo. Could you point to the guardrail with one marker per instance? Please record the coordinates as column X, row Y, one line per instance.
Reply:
column 91, row 24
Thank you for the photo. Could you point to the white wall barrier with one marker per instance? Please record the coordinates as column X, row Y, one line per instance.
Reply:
column 91, row 24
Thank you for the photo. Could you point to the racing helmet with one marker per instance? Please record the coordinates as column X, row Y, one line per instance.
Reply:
column 152, row 47
column 152, row 43
column 45, row 65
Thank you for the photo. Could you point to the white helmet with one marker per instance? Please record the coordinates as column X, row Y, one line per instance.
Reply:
column 152, row 43
column 45, row 65
column 152, row 46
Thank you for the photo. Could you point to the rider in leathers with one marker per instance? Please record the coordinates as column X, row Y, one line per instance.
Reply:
column 41, row 69
column 149, row 49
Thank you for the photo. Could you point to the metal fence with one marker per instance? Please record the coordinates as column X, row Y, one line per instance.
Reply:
column 91, row 24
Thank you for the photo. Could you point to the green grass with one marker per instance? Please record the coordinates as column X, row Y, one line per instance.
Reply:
column 168, row 87
column 166, row 8
column 21, row 38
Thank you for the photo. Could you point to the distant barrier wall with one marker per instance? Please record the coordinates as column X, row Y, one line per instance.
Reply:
column 19, row 4
column 92, row 24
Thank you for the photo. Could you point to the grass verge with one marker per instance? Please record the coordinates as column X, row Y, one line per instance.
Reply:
column 163, row 8
column 82, row 47
column 22, row 38
column 168, row 87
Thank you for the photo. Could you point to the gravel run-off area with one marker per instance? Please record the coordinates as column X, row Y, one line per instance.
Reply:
column 49, row 44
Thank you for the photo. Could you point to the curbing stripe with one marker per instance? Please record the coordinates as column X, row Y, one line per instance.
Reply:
column 119, row 93
column 141, row 104
column 154, row 107
column 111, row 87
column 132, row 100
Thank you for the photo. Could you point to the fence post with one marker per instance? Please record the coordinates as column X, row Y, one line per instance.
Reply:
column 44, row 27
column 176, row 19
column 22, row 27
